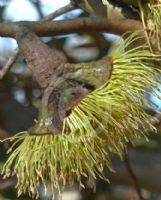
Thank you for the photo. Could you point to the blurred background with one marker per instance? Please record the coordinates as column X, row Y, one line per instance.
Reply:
column 20, row 97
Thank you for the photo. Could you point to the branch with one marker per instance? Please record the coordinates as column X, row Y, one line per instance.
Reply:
column 12, row 59
column 9, row 64
column 60, row 11
column 62, row 27
column 133, row 176
column 46, row 28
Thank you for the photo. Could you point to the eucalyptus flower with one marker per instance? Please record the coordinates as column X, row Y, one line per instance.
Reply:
column 102, row 123
column 150, row 15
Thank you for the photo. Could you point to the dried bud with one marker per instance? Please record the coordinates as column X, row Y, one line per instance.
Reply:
column 42, row 60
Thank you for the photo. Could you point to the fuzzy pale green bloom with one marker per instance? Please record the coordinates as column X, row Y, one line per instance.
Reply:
column 150, row 13
column 101, row 124
column 151, row 17
column 60, row 159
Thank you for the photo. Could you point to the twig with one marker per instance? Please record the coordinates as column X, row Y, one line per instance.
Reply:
column 9, row 64
column 60, row 11
column 133, row 176
column 12, row 59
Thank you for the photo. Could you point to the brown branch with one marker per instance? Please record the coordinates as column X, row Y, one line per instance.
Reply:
column 12, row 59
column 9, row 64
column 62, row 27
column 133, row 176
column 48, row 28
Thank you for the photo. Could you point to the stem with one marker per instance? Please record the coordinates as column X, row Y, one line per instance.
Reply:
column 133, row 176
